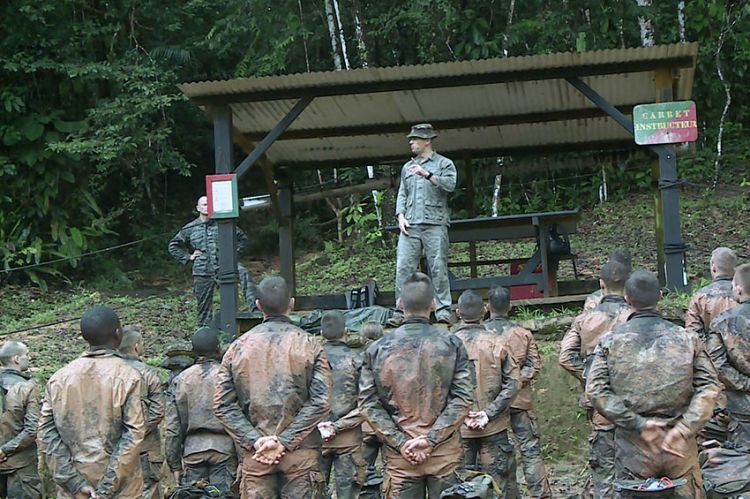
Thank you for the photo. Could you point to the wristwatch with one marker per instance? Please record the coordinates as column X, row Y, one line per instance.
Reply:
column 429, row 176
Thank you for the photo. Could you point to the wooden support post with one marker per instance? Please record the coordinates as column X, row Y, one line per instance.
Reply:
column 469, row 172
column 286, row 232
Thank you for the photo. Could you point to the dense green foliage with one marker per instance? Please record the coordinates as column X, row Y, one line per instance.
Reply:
column 99, row 147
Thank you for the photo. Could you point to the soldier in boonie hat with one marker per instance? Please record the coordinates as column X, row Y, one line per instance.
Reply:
column 422, row 131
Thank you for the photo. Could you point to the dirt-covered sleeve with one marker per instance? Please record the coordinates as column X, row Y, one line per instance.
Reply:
column 176, row 428
column 533, row 363
column 599, row 391
column 227, row 406
column 26, row 437
column 706, row 389
column 731, row 377
column 570, row 351
column 317, row 406
column 460, row 397
column 509, row 388
column 693, row 316
column 155, row 413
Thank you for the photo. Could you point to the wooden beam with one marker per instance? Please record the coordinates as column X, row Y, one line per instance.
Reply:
column 265, row 165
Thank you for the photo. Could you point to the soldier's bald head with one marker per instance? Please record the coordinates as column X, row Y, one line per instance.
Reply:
column 417, row 294
column 499, row 299
column 131, row 338
column 742, row 279
column 333, row 325
column 642, row 290
column 205, row 341
column 623, row 257
column 372, row 330
column 723, row 261
column 274, row 296
column 100, row 326
column 614, row 274
column 470, row 306
column 10, row 349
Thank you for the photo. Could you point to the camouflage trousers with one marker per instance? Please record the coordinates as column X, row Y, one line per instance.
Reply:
column 432, row 240
column 493, row 455
column 218, row 468
column 637, row 460
column 739, row 430
column 349, row 469
column 602, row 462
column 151, row 477
column 526, row 432
column 370, row 449
column 404, row 480
column 203, row 289
column 21, row 483
column 297, row 476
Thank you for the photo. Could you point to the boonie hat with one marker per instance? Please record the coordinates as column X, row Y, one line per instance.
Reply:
column 422, row 131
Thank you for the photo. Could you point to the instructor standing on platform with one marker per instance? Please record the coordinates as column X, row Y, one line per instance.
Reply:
column 423, row 218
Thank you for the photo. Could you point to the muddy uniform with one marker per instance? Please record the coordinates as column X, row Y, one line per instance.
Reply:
column 92, row 426
column 729, row 347
column 576, row 353
column 196, row 442
column 276, row 380
column 592, row 300
column 344, row 451
column 523, row 421
column 19, row 476
column 204, row 236
column 651, row 369
column 497, row 381
column 707, row 303
column 152, row 459
column 417, row 381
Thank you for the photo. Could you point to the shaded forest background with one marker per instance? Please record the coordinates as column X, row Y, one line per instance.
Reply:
column 99, row 148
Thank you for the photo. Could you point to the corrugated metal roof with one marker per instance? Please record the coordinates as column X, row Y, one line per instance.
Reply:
column 486, row 106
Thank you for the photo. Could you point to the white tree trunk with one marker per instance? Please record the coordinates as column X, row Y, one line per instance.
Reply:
column 681, row 20
column 508, row 26
column 341, row 33
column 647, row 27
column 304, row 35
column 360, row 34
column 331, row 17
column 496, row 195
column 727, row 91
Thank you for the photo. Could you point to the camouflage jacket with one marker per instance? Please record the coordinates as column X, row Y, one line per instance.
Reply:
column 496, row 381
column 729, row 347
column 416, row 381
column 649, row 368
column 346, row 364
column 19, row 420
column 191, row 425
column 578, row 344
column 419, row 199
column 707, row 303
column 592, row 300
column 274, row 380
column 525, row 353
column 203, row 236
column 154, row 407
column 92, row 425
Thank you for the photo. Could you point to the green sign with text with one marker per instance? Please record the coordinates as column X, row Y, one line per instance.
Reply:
column 665, row 123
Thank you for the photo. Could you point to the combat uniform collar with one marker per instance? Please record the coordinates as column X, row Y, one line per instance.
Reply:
column 129, row 357
column 470, row 325
column 337, row 342
column 205, row 360
column 644, row 313
column 613, row 299
column 100, row 352
column 416, row 320
column 724, row 278
column 15, row 372
column 277, row 318
column 428, row 158
column 500, row 318
column 744, row 302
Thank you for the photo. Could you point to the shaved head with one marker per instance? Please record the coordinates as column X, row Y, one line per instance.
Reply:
column 11, row 349
column 614, row 274
column 417, row 294
column 742, row 278
column 470, row 306
column 131, row 338
column 100, row 326
column 274, row 295
column 206, row 341
column 623, row 257
column 372, row 330
column 499, row 298
column 333, row 325
column 723, row 261
column 643, row 290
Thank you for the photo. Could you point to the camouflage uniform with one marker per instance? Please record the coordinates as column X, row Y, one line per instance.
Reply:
column 152, row 459
column 204, row 236
column 276, row 380
column 729, row 347
column 707, row 303
column 417, row 381
column 92, row 426
column 592, row 300
column 19, row 476
column 523, row 421
column 651, row 369
column 425, row 207
column 344, row 451
column 576, row 354
column 196, row 442
column 497, row 382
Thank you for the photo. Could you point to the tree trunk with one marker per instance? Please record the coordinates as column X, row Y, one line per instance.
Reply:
column 496, row 195
column 360, row 34
column 644, row 21
column 331, row 17
column 508, row 26
column 304, row 35
column 681, row 20
column 726, row 28
column 341, row 33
